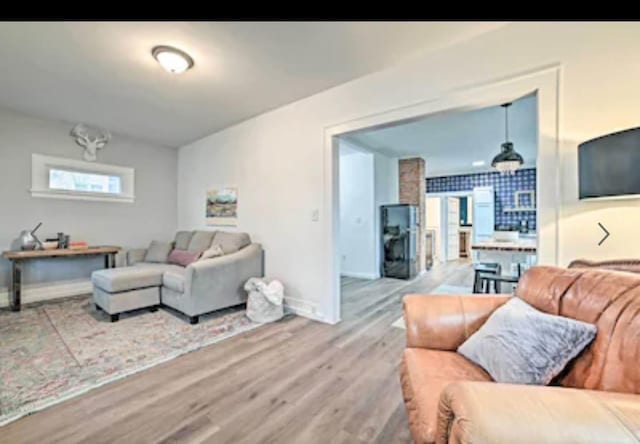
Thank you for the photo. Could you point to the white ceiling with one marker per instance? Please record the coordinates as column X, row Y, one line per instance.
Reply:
column 450, row 142
column 102, row 73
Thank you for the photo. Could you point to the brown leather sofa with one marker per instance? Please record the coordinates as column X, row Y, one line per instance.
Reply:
column 449, row 399
column 631, row 265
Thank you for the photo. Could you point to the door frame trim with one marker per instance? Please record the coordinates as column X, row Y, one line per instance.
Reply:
column 545, row 81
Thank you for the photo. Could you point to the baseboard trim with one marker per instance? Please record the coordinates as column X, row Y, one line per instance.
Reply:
column 356, row 275
column 303, row 308
column 44, row 292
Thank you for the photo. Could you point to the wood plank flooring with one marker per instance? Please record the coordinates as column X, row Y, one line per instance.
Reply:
column 296, row 381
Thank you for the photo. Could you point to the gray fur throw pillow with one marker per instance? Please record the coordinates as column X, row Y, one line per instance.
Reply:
column 521, row 345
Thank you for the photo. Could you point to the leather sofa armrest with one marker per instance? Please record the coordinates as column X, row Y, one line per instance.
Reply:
column 486, row 412
column 136, row 255
column 443, row 322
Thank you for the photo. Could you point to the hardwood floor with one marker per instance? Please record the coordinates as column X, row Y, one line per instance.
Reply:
column 296, row 381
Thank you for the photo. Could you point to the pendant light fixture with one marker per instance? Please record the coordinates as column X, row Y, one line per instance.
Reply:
column 509, row 160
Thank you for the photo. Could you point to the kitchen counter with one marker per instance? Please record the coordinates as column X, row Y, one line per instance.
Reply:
column 519, row 254
column 519, row 246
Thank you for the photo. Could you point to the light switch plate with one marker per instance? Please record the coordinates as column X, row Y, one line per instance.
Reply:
column 315, row 215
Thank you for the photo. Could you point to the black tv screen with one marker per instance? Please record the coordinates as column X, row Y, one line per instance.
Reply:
column 608, row 166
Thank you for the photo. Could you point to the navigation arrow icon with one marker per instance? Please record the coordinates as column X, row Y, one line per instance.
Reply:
column 605, row 236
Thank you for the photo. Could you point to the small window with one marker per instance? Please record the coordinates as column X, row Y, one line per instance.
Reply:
column 60, row 178
column 87, row 182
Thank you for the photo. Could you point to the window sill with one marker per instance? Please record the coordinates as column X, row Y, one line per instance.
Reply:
column 49, row 194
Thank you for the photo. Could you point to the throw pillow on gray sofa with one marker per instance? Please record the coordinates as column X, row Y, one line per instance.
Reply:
column 183, row 257
column 214, row 251
column 521, row 345
column 231, row 242
column 158, row 252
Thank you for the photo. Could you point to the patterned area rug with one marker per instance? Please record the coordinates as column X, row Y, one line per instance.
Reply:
column 442, row 289
column 57, row 350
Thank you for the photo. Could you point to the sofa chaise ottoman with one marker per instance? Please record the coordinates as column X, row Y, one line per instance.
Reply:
column 201, row 287
column 116, row 290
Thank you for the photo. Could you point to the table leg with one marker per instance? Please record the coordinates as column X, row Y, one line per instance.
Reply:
column 110, row 260
column 16, row 285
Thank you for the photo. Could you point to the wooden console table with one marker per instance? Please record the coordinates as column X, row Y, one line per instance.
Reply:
column 17, row 258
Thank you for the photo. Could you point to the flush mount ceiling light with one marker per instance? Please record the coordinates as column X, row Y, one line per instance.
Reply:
column 477, row 163
column 509, row 160
column 172, row 59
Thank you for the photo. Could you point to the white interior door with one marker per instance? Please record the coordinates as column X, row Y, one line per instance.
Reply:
column 483, row 214
column 453, row 228
column 432, row 221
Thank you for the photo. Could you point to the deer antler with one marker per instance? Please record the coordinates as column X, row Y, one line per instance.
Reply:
column 101, row 140
column 80, row 133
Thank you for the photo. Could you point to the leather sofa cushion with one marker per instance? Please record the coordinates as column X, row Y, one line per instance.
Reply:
column 200, row 241
column 182, row 239
column 630, row 265
column 231, row 242
column 608, row 299
column 424, row 374
column 114, row 280
column 475, row 412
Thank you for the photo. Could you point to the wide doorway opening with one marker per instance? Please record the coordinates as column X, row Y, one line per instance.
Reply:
column 416, row 195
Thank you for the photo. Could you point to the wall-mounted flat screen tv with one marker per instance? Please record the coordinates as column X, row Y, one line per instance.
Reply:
column 609, row 166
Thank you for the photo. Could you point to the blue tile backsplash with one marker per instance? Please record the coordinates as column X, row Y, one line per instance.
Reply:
column 504, row 187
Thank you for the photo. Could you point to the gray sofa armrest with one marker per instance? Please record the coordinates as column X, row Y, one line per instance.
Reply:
column 219, row 282
column 136, row 255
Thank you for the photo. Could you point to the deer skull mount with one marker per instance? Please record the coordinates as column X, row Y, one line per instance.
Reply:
column 91, row 139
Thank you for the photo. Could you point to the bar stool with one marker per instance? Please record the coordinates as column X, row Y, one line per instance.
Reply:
column 486, row 279
column 489, row 268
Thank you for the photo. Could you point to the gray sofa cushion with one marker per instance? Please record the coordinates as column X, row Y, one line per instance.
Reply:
column 201, row 241
column 182, row 239
column 114, row 280
column 160, row 268
column 158, row 252
column 231, row 242
column 174, row 280
column 521, row 345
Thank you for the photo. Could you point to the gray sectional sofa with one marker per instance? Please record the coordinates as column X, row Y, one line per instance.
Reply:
column 201, row 287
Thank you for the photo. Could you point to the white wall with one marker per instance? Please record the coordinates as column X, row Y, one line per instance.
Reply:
column 277, row 161
column 385, row 191
column 152, row 216
column 357, row 222
column 387, row 187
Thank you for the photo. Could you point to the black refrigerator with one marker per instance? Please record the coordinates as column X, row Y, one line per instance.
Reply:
column 399, row 241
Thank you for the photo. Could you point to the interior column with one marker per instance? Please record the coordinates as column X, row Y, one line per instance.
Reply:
column 413, row 189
